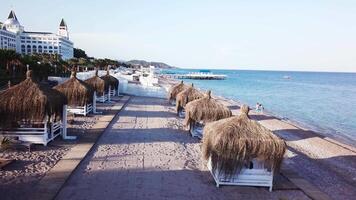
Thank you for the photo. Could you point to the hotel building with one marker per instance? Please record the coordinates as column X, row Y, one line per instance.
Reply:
column 13, row 36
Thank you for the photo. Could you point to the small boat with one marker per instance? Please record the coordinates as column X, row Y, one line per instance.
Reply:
column 286, row 77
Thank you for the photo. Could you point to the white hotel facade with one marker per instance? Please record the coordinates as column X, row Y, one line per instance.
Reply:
column 13, row 36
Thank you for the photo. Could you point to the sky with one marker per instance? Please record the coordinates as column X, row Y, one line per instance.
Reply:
column 299, row 35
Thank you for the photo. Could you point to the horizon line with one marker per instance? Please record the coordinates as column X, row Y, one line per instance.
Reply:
column 349, row 72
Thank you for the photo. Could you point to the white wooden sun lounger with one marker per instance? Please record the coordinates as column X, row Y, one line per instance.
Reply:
column 257, row 176
column 43, row 134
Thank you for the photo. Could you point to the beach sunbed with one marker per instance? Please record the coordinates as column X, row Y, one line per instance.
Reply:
column 253, row 175
column 38, row 132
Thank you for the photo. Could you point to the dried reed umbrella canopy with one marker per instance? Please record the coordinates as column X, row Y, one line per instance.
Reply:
column 113, row 82
column 206, row 110
column 175, row 89
column 30, row 101
column 187, row 96
column 78, row 92
column 233, row 142
column 98, row 84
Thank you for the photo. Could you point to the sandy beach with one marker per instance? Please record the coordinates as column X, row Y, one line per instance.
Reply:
column 323, row 161
column 30, row 167
column 146, row 154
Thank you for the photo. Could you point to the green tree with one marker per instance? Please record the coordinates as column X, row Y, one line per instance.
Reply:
column 79, row 53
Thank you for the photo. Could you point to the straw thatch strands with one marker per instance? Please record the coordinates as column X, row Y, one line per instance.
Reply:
column 240, row 151
column 100, row 85
column 101, row 88
column 201, row 111
column 174, row 90
column 32, row 112
column 79, row 95
column 113, row 83
column 30, row 101
column 185, row 97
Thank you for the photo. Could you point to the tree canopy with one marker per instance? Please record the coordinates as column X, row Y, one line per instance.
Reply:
column 79, row 53
column 13, row 66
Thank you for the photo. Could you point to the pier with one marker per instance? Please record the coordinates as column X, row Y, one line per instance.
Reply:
column 201, row 76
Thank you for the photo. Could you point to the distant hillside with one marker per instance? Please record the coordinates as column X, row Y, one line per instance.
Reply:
column 146, row 64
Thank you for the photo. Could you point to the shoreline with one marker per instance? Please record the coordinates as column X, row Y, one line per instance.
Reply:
column 341, row 139
column 323, row 161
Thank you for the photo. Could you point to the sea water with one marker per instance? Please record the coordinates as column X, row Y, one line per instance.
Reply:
column 323, row 102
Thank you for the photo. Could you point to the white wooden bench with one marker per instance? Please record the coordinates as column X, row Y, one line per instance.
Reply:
column 258, row 175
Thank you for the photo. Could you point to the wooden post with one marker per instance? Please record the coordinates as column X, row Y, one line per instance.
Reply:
column 85, row 110
column 64, row 126
column 46, row 132
column 94, row 102
column 109, row 93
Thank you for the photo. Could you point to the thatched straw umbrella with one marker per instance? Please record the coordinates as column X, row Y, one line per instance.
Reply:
column 78, row 92
column 187, row 96
column 99, row 85
column 30, row 101
column 113, row 82
column 233, row 142
column 174, row 90
column 205, row 110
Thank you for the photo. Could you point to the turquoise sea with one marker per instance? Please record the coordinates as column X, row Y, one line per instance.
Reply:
column 323, row 102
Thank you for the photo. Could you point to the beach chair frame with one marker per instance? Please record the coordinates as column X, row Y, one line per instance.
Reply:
column 257, row 176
